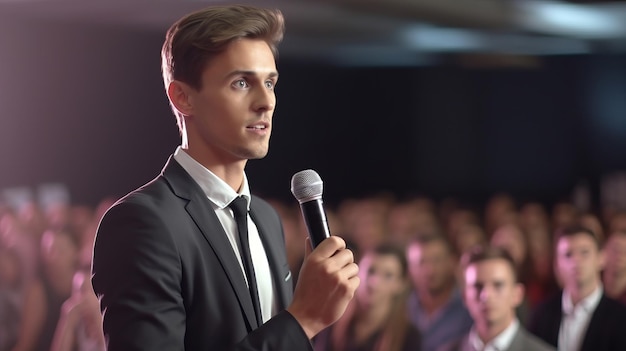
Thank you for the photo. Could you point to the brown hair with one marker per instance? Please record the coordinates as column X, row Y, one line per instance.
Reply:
column 195, row 39
column 393, row 334
column 482, row 253
column 568, row 232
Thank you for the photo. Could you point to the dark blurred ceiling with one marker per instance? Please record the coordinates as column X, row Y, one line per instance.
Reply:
column 390, row 32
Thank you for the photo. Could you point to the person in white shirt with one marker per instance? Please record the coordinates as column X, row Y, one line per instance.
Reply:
column 491, row 292
column 582, row 317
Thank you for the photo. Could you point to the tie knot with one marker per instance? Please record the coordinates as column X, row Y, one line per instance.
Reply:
column 239, row 206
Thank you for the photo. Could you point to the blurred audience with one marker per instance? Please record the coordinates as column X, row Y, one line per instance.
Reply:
column 582, row 317
column 376, row 319
column 47, row 304
column 540, row 281
column 435, row 306
column 59, row 257
column 80, row 324
column 10, row 297
column 499, row 210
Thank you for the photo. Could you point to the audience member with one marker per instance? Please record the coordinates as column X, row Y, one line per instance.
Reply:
column 511, row 239
column 541, row 281
column 614, row 274
column 376, row 319
column 435, row 306
column 499, row 210
column 468, row 236
column 492, row 292
column 564, row 214
column 44, row 296
column 582, row 317
column 80, row 324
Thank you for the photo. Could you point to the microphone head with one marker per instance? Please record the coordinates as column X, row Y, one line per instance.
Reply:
column 306, row 186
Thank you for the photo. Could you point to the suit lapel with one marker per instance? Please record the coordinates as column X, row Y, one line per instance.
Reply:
column 594, row 328
column 517, row 344
column 200, row 210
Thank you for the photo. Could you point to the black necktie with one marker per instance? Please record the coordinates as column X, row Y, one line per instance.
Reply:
column 240, row 209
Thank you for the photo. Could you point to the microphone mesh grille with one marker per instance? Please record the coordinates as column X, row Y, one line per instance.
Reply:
column 306, row 185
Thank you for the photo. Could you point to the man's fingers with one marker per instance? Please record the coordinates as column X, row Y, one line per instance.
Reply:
column 329, row 246
column 307, row 247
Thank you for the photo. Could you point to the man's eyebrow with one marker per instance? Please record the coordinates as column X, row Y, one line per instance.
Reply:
column 272, row 74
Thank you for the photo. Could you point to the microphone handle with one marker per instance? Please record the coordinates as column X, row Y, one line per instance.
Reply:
column 315, row 221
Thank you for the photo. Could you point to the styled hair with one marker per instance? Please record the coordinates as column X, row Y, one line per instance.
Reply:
column 481, row 253
column 568, row 232
column 195, row 39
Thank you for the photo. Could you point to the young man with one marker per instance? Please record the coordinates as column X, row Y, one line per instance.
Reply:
column 614, row 274
column 435, row 306
column 171, row 265
column 492, row 293
column 582, row 318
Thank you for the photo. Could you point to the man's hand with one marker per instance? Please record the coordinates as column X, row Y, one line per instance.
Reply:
column 326, row 284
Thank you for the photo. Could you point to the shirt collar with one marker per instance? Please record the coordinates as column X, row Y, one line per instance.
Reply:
column 588, row 304
column 501, row 342
column 220, row 193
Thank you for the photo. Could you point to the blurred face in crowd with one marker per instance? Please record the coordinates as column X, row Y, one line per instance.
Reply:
column 492, row 293
column 58, row 252
column 579, row 261
column 469, row 236
column 431, row 266
column 382, row 279
column 615, row 253
column 511, row 239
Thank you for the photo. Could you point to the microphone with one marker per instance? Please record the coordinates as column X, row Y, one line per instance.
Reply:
column 307, row 187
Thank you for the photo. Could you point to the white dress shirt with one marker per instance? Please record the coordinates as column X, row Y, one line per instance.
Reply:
column 502, row 342
column 576, row 319
column 220, row 195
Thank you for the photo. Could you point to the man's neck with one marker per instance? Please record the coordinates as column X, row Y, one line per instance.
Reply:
column 579, row 293
column 487, row 332
column 230, row 172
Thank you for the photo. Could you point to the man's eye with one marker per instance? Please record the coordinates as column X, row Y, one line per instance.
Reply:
column 269, row 84
column 241, row 83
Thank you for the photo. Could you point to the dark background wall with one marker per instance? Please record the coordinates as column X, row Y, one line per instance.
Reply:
column 84, row 105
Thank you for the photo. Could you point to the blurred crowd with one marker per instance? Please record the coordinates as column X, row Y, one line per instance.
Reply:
column 46, row 299
column 410, row 297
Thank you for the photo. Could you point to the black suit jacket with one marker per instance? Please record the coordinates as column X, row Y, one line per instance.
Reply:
column 606, row 330
column 168, row 278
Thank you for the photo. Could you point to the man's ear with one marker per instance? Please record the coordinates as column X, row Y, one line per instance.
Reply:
column 179, row 94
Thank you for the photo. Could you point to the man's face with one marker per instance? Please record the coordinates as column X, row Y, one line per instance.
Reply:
column 578, row 261
column 230, row 117
column 431, row 266
column 491, row 293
